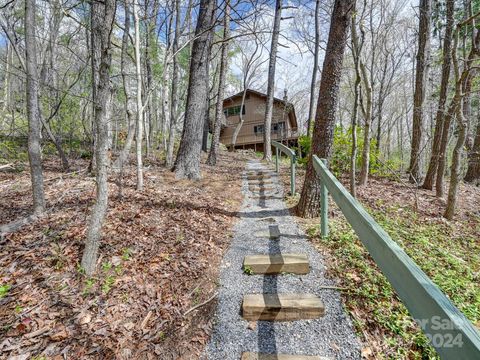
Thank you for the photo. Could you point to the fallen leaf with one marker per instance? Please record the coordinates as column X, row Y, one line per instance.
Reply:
column 366, row 352
column 85, row 318
column 129, row 325
column 59, row 334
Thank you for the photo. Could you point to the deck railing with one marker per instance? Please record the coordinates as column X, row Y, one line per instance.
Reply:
column 449, row 331
column 293, row 159
column 258, row 137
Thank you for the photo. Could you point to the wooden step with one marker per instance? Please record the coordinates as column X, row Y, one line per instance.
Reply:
column 260, row 171
column 281, row 307
column 260, row 187
column 260, row 182
column 266, row 197
column 260, row 356
column 277, row 264
column 258, row 177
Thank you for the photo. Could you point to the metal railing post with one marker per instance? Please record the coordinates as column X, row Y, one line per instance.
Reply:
column 292, row 175
column 323, row 206
column 276, row 159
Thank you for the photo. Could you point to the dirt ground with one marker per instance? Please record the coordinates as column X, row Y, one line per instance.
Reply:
column 158, row 259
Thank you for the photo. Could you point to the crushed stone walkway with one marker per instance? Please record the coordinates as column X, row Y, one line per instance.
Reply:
column 331, row 336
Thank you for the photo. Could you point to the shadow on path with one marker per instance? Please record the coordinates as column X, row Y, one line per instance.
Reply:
column 266, row 329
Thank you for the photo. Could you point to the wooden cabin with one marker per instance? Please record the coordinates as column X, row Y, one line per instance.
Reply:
column 284, row 122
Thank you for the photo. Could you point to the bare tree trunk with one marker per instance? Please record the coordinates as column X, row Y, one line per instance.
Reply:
column 267, row 147
column 367, row 115
column 440, row 116
column 122, row 157
column 419, row 95
column 240, row 123
column 462, row 89
column 456, row 163
column 212, row 156
column 7, row 84
column 138, row 66
column 174, row 107
column 442, row 157
column 311, row 107
column 34, row 126
column 56, row 142
column 473, row 171
column 187, row 164
column 102, row 19
column 309, row 203
column 356, row 51
column 165, row 84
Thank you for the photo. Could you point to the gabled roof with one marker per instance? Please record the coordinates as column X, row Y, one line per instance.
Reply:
column 291, row 114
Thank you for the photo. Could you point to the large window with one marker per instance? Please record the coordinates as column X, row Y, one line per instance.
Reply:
column 276, row 128
column 232, row 111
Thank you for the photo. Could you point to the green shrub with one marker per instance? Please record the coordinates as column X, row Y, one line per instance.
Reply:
column 304, row 144
column 342, row 150
column 13, row 149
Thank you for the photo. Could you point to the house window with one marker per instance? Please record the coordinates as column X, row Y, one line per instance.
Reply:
column 258, row 129
column 278, row 127
column 232, row 111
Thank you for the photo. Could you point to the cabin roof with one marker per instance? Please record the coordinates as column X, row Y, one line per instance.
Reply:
column 291, row 113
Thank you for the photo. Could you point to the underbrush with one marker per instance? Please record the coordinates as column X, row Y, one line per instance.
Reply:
column 450, row 259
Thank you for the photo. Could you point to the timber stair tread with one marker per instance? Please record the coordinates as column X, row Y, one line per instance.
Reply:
column 281, row 307
column 261, row 356
column 258, row 177
column 277, row 264
column 266, row 197
column 260, row 182
column 261, row 187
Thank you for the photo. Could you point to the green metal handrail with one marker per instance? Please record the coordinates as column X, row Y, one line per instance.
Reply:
column 293, row 159
column 449, row 331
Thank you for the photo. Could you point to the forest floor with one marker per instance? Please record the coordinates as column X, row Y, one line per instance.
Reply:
column 159, row 258
column 448, row 251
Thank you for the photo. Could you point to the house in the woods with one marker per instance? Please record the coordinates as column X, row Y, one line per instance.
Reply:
column 284, row 121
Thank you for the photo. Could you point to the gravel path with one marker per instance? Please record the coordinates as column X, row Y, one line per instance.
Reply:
column 331, row 336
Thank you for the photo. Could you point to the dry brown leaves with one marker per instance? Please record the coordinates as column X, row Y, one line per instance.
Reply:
column 159, row 257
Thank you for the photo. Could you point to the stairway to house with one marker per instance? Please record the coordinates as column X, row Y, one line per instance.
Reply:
column 271, row 304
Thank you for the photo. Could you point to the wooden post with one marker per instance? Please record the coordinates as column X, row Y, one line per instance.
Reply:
column 292, row 175
column 324, row 206
column 276, row 159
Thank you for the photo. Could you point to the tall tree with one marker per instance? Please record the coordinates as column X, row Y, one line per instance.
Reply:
column 212, row 156
column 138, row 67
column 33, row 109
column 463, row 79
column 473, row 171
column 174, row 107
column 102, row 18
column 267, row 147
column 357, row 45
column 309, row 202
column 420, row 84
column 442, row 99
column 442, row 154
column 128, row 104
column 366, row 106
column 316, row 51
column 250, row 64
column 187, row 164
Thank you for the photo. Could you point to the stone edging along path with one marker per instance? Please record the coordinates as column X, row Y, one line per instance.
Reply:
column 324, row 330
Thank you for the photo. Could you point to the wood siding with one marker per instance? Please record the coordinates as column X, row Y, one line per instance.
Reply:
column 254, row 115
